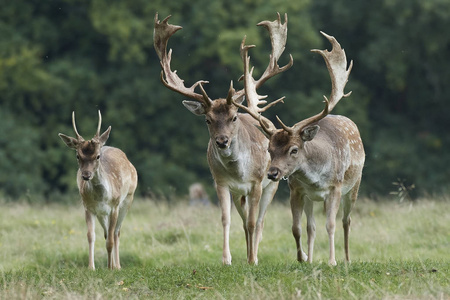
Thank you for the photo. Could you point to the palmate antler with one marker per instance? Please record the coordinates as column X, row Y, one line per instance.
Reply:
column 278, row 37
column 162, row 32
column 336, row 62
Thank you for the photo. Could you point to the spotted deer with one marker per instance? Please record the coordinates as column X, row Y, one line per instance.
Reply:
column 236, row 153
column 106, row 181
column 322, row 157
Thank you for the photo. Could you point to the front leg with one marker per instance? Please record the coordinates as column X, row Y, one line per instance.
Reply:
column 266, row 198
column 90, row 222
column 223, row 194
column 297, row 204
column 254, row 199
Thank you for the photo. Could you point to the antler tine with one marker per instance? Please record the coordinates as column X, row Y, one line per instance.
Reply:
column 278, row 37
column 161, row 34
column 336, row 62
column 250, row 85
column 290, row 130
column 273, row 103
column 268, row 129
column 79, row 137
column 252, row 97
column 231, row 92
column 99, row 124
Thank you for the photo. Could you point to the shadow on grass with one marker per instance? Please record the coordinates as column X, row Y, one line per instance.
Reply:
column 81, row 260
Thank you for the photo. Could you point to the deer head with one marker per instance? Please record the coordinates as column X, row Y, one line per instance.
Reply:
column 88, row 152
column 288, row 145
column 221, row 115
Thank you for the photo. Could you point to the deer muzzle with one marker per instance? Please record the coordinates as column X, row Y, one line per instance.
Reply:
column 86, row 175
column 274, row 174
column 222, row 141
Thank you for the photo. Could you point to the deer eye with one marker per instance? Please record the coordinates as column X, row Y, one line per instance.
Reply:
column 234, row 118
column 98, row 157
column 208, row 121
column 78, row 157
column 294, row 151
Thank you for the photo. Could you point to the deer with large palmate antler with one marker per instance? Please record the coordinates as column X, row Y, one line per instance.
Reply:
column 322, row 157
column 236, row 154
column 106, row 180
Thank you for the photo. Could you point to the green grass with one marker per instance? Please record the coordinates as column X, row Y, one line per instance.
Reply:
column 173, row 251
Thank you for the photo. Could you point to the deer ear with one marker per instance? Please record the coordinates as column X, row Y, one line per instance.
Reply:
column 69, row 141
column 105, row 135
column 194, row 107
column 239, row 99
column 309, row 133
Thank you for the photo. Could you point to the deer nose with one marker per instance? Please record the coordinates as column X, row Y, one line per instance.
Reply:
column 274, row 174
column 86, row 176
column 222, row 141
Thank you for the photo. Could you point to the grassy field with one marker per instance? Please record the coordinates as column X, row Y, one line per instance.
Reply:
column 173, row 251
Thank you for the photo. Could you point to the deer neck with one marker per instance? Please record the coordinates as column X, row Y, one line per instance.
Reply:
column 315, row 166
column 238, row 149
column 97, row 187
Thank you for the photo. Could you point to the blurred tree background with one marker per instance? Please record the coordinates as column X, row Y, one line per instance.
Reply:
column 57, row 56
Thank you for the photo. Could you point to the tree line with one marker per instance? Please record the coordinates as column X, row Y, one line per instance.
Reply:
column 59, row 56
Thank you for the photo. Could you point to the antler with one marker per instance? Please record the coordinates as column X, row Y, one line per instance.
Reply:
column 79, row 137
column 278, row 37
column 161, row 34
column 336, row 62
column 99, row 124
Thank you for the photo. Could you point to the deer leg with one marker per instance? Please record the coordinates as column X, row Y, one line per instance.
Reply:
column 241, row 204
column 266, row 198
column 297, row 209
column 332, row 208
column 121, row 216
column 110, row 237
column 116, row 249
column 310, row 226
column 349, row 203
column 254, row 199
column 225, row 204
column 90, row 222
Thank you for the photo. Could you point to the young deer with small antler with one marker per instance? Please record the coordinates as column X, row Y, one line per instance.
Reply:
column 237, row 154
column 106, row 180
column 322, row 157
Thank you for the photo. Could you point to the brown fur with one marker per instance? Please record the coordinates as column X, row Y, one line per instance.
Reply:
column 106, row 180
column 325, row 168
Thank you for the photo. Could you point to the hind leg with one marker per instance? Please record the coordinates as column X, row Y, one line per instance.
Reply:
column 241, row 204
column 122, row 213
column 349, row 201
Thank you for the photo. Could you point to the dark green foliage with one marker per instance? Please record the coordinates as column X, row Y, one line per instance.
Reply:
column 63, row 55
